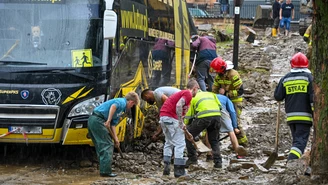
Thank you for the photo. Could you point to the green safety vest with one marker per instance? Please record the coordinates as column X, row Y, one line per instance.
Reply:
column 204, row 104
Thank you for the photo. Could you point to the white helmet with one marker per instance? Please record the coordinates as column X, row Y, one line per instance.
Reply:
column 229, row 65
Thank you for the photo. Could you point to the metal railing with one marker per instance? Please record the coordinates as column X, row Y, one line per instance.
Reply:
column 247, row 10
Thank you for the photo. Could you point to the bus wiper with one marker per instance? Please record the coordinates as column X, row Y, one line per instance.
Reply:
column 88, row 77
column 20, row 63
column 62, row 71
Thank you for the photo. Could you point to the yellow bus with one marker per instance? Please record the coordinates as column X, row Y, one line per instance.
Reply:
column 140, row 25
column 59, row 59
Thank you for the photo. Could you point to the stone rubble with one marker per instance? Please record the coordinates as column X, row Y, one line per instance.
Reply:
column 261, row 67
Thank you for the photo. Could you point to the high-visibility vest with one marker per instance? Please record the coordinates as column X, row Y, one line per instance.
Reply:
column 231, row 83
column 308, row 34
column 204, row 104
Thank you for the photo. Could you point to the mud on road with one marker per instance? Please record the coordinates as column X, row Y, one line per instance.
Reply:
column 260, row 66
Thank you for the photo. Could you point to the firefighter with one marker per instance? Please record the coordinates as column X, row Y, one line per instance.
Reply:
column 204, row 114
column 297, row 91
column 171, row 120
column 158, row 96
column 228, row 82
column 307, row 37
column 106, row 116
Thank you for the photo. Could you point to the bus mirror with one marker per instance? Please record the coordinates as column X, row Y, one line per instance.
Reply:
column 110, row 23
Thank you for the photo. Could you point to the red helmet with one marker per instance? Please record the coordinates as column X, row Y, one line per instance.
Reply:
column 299, row 60
column 219, row 65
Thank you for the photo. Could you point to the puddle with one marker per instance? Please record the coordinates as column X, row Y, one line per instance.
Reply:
column 11, row 174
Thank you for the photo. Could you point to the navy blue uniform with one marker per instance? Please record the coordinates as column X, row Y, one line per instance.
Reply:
column 297, row 91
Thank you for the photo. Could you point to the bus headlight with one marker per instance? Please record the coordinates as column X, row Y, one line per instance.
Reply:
column 86, row 107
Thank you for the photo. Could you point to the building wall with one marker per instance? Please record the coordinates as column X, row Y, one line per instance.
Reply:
column 210, row 2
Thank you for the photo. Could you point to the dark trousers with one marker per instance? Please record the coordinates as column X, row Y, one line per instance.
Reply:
column 162, row 77
column 300, row 136
column 102, row 141
column 203, row 76
column 162, row 68
column 212, row 125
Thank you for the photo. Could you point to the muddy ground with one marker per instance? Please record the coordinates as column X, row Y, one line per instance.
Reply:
column 260, row 65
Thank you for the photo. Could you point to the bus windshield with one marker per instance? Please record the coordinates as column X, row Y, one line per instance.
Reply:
column 55, row 33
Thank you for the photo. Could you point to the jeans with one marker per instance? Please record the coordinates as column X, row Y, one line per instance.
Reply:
column 174, row 137
column 224, row 8
column 285, row 21
column 212, row 125
column 202, row 70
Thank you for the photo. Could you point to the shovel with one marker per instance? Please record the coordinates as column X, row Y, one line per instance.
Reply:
column 118, row 148
column 199, row 145
column 193, row 64
column 274, row 155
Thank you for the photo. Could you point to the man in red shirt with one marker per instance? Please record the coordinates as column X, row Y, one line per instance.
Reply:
column 171, row 120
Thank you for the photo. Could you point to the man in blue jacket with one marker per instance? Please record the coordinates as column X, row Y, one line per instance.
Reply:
column 228, row 124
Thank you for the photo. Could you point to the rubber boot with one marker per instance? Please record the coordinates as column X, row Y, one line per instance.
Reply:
column 179, row 170
column 166, row 168
column 190, row 161
column 167, row 164
column 217, row 160
column 308, row 171
column 179, row 167
column 218, row 165
column 274, row 32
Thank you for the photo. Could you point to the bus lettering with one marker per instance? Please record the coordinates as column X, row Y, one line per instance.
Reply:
column 134, row 20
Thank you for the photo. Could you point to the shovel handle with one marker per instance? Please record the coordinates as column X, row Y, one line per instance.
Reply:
column 193, row 64
column 195, row 145
column 118, row 148
column 190, row 138
column 277, row 127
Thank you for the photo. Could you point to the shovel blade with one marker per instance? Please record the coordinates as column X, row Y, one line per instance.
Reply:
column 201, row 147
column 270, row 161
